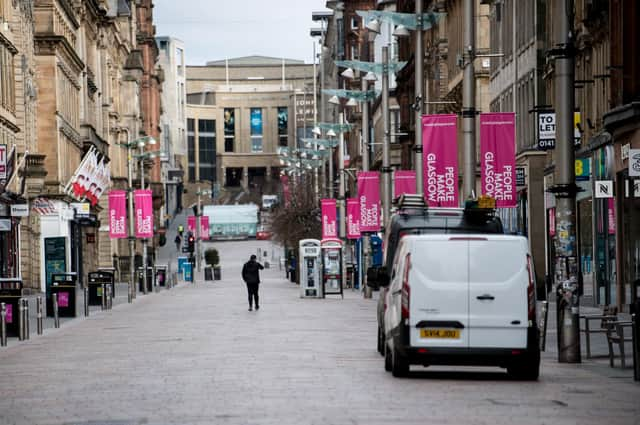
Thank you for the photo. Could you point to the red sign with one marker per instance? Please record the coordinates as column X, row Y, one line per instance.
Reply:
column 498, row 157
column 117, row 214
column 144, row 213
column 369, row 196
column 329, row 226
column 440, row 159
column 353, row 218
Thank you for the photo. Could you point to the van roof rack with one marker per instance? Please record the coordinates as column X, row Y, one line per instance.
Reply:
column 410, row 200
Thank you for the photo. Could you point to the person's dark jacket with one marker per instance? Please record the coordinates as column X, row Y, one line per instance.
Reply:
column 251, row 272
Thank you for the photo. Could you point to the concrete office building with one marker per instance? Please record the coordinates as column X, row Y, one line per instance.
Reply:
column 238, row 114
column 173, row 120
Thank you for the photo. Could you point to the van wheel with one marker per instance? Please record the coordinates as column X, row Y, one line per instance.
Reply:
column 399, row 364
column 525, row 372
column 380, row 342
column 387, row 358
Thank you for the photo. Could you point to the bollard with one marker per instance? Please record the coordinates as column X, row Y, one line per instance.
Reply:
column 39, row 314
column 129, row 293
column 56, row 317
column 103, row 297
column 542, row 325
column 635, row 326
column 20, row 319
column 27, row 330
column 3, row 325
column 109, row 298
column 86, row 302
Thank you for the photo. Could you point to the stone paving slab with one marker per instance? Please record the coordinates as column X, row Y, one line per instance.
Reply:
column 195, row 355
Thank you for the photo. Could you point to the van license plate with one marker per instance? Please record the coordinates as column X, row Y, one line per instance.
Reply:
column 440, row 333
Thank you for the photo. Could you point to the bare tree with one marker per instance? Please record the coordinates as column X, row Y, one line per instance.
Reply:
column 299, row 218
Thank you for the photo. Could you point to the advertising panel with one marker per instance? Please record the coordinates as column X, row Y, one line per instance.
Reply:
column 353, row 218
column 117, row 214
column 369, row 196
column 144, row 213
column 404, row 181
column 329, row 226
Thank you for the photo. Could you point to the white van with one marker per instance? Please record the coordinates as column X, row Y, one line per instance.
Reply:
column 462, row 300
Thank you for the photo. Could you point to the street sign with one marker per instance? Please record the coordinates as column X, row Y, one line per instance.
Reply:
column 5, row 225
column 20, row 210
column 604, row 189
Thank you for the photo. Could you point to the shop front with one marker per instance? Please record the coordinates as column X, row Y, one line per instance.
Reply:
column 9, row 243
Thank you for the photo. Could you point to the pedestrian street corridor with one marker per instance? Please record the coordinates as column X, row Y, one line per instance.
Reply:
column 194, row 355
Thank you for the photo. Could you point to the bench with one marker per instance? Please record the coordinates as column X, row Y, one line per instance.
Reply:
column 609, row 314
column 615, row 335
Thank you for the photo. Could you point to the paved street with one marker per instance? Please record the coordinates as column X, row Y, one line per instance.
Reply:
column 195, row 355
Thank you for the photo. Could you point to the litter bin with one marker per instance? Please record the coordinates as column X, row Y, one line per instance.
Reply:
column 208, row 273
column 95, row 282
column 10, row 294
column 217, row 273
column 63, row 284
column 161, row 274
column 181, row 262
column 149, row 279
column 188, row 272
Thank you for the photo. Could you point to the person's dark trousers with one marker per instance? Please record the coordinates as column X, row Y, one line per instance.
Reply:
column 252, row 289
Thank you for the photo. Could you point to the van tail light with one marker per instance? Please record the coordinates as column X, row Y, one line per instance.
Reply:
column 531, row 291
column 406, row 289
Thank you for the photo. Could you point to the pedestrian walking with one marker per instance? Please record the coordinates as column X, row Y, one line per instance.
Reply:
column 251, row 276
column 180, row 229
column 177, row 240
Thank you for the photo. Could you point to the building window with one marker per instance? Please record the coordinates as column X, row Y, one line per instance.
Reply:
column 256, row 129
column 207, row 149
column 191, row 146
column 355, row 52
column 229, row 129
column 7, row 80
column 283, row 126
column 180, row 61
column 355, row 23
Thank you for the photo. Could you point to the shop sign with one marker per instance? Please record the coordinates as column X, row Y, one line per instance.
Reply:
column 520, row 176
column 583, row 169
column 624, row 151
column 5, row 225
column 82, row 209
column 604, row 189
column 20, row 210
column 634, row 162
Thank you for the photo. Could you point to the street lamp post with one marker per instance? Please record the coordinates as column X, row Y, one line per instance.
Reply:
column 341, row 188
column 418, row 107
column 198, row 224
column 132, row 238
column 386, row 121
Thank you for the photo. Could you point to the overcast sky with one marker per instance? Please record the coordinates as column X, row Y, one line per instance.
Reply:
column 219, row 29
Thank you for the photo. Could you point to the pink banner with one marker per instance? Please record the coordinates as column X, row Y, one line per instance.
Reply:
column 369, row 196
column 117, row 214
column 353, row 218
column 552, row 221
column 9, row 309
column 440, row 159
column 144, row 213
column 404, row 182
column 329, row 227
column 204, row 227
column 498, row 157
column 285, row 189
column 63, row 299
column 611, row 216
column 191, row 224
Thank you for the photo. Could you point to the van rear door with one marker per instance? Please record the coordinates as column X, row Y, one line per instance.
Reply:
column 439, row 302
column 498, row 279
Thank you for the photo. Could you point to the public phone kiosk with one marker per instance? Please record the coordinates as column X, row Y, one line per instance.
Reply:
column 310, row 265
column 332, row 267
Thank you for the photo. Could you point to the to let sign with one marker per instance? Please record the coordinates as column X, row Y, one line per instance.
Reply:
column 546, row 131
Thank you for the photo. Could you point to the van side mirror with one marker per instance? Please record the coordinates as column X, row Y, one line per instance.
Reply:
column 383, row 277
column 372, row 278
